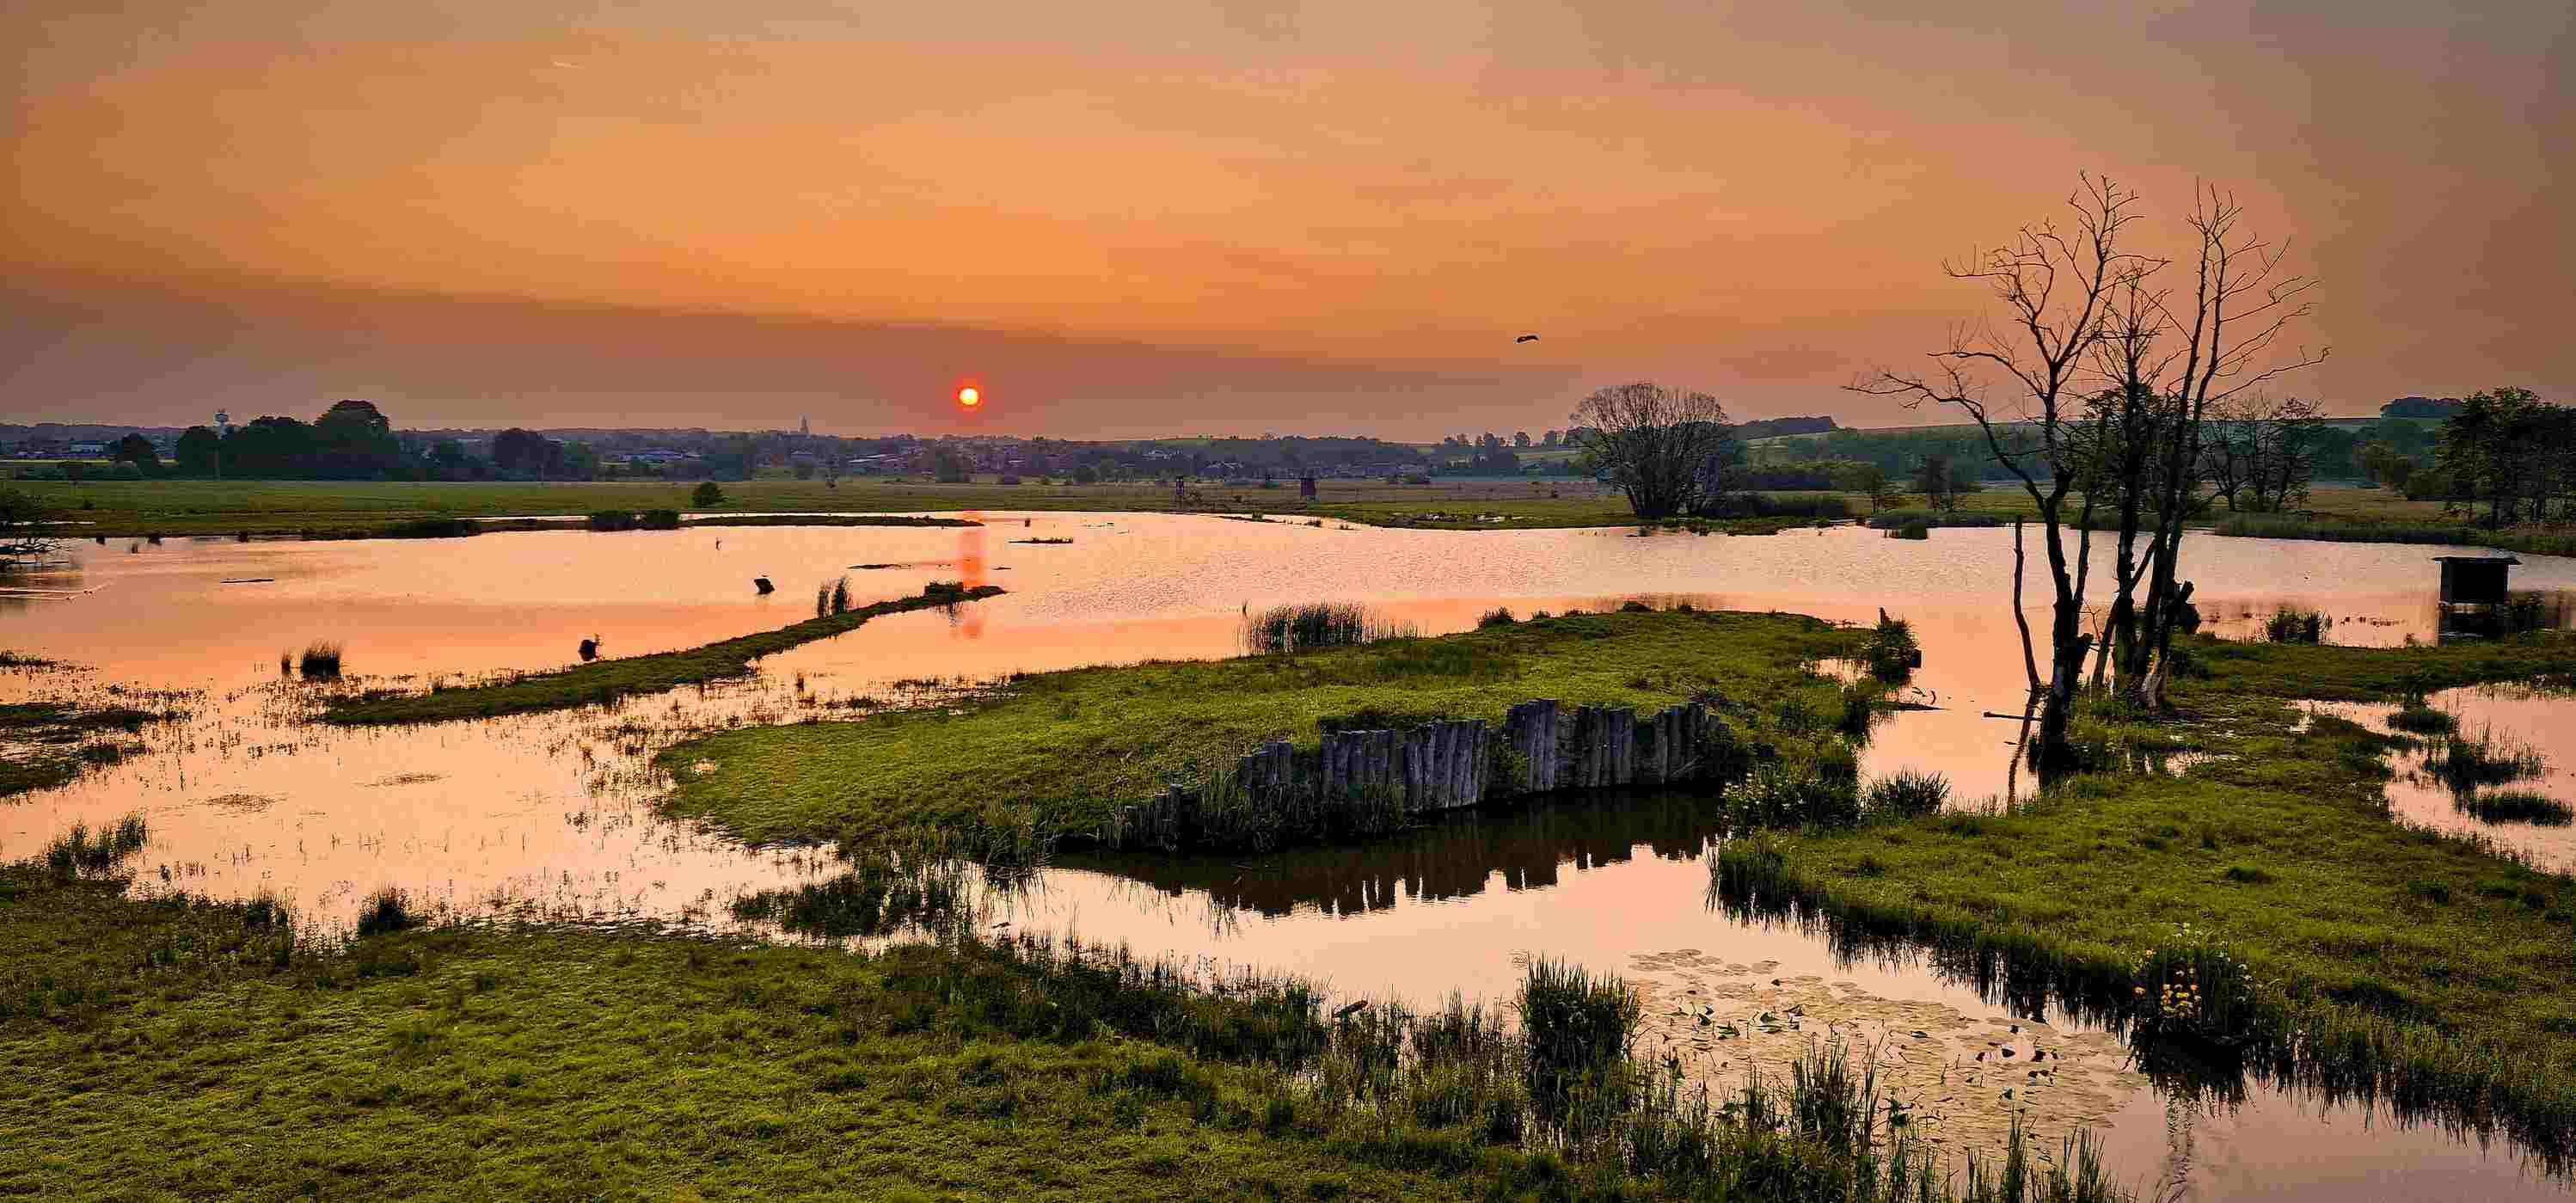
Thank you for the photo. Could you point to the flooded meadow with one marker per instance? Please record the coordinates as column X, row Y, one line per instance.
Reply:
column 553, row 815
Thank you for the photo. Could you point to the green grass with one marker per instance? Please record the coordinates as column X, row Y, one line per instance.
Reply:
column 608, row 680
column 174, row 1047
column 2418, row 964
column 361, row 509
column 2547, row 541
column 1056, row 752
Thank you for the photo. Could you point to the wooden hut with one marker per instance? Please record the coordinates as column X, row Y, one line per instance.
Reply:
column 2474, row 580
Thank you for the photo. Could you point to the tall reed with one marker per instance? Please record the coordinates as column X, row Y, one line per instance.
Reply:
column 1316, row 625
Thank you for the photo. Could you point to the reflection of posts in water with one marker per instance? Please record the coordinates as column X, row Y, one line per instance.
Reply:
column 970, row 569
column 1519, row 848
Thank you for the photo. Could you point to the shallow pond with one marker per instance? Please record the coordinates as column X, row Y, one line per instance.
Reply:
column 551, row 814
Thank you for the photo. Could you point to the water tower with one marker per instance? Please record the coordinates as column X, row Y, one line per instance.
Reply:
column 223, row 423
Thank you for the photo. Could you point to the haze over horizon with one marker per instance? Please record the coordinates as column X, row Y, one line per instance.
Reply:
column 1170, row 218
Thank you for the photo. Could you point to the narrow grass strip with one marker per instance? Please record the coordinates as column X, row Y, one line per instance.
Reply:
column 609, row 680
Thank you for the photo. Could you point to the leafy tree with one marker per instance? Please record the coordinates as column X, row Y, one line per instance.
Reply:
column 1869, row 480
column 526, row 453
column 271, row 448
column 448, row 460
column 200, row 451
column 21, row 517
column 136, row 450
column 354, row 441
column 2513, row 451
column 1936, row 478
column 706, row 496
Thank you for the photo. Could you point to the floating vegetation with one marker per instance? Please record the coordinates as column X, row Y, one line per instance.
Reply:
column 405, row 779
column 2465, row 764
column 2418, row 717
column 2518, row 806
column 882, row 894
column 242, row 803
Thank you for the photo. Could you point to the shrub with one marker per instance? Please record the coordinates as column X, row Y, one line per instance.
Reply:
column 2296, row 626
column 386, row 911
column 1892, row 652
column 706, row 495
column 1912, row 530
column 1499, row 616
column 1907, row 795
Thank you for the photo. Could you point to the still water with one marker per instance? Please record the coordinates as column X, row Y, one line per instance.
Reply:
column 552, row 814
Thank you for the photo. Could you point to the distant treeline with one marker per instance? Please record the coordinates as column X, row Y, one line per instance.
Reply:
column 2361, row 453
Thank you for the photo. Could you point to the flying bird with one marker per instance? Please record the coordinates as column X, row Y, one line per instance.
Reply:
column 1526, row 338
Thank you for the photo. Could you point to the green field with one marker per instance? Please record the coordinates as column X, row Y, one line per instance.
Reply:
column 116, row 509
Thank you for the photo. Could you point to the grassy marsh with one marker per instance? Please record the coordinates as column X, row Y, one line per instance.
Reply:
column 2415, row 967
column 258, row 1058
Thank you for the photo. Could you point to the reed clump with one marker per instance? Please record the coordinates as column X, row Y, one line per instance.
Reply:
column 320, row 661
column 80, row 851
column 1907, row 794
column 1297, row 628
column 832, row 597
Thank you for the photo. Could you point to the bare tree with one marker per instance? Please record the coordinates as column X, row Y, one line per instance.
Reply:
column 1654, row 444
column 2243, row 300
column 2056, row 284
column 23, row 519
column 2095, row 396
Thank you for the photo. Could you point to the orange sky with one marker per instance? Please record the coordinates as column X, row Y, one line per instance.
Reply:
column 1155, row 217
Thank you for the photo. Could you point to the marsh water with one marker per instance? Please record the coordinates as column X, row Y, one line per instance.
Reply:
column 552, row 815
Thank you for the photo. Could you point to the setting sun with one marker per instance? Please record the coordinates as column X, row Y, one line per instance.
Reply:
column 969, row 397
